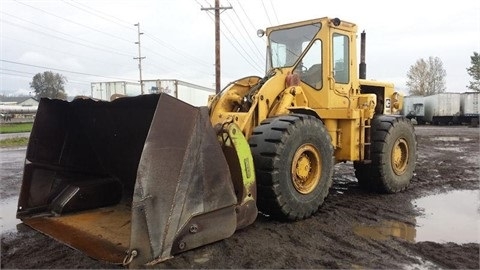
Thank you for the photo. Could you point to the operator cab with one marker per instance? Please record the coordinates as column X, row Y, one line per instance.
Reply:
column 301, row 47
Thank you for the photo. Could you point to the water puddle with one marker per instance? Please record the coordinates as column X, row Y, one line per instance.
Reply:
column 450, row 139
column 8, row 211
column 449, row 149
column 385, row 230
column 447, row 217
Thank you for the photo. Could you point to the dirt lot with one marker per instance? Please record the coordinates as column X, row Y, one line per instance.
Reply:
column 353, row 229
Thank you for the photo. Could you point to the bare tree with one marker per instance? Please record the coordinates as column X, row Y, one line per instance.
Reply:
column 474, row 72
column 49, row 85
column 426, row 77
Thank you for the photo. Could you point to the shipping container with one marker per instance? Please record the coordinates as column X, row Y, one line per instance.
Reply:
column 443, row 108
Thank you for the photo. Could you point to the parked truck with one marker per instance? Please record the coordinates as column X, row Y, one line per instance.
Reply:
column 414, row 108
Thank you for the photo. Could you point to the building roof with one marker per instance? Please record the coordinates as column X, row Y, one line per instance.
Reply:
column 14, row 99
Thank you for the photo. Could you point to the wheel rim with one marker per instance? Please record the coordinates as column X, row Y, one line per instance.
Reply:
column 306, row 168
column 400, row 156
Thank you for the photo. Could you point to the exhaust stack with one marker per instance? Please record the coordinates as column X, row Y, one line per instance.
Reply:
column 362, row 65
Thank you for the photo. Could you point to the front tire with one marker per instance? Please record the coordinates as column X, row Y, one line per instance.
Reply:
column 293, row 157
column 393, row 155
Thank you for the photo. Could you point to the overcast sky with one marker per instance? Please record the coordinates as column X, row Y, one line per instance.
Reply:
column 94, row 40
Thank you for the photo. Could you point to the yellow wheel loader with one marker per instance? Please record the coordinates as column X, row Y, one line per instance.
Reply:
column 139, row 179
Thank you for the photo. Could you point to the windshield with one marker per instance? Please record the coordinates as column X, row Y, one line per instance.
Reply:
column 286, row 45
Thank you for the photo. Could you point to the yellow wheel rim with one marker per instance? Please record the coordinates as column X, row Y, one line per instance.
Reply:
column 400, row 156
column 306, row 168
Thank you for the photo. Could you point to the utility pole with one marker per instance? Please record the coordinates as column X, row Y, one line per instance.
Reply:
column 217, row 9
column 139, row 57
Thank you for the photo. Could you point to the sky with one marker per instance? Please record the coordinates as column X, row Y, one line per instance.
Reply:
column 94, row 40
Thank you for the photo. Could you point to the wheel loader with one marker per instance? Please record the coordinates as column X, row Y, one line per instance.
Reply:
column 137, row 180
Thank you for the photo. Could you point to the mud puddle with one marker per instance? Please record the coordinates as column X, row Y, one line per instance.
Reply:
column 447, row 217
column 8, row 211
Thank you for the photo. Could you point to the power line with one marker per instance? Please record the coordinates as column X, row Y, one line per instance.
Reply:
column 107, row 49
column 18, row 71
column 110, row 50
column 56, row 50
column 217, row 10
column 248, row 35
column 73, row 22
column 235, row 47
column 248, row 18
column 253, row 48
column 64, row 70
column 16, row 75
column 201, row 6
column 99, row 14
column 164, row 57
column 177, row 51
column 151, row 37
column 254, row 65
column 53, row 30
column 274, row 12
column 33, row 73
column 246, row 15
column 266, row 12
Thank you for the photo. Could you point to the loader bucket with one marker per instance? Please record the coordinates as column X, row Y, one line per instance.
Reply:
column 134, row 181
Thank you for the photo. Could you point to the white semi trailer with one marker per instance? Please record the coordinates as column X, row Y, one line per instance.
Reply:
column 443, row 108
column 193, row 94
column 470, row 108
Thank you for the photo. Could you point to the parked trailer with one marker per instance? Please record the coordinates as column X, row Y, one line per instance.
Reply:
column 444, row 108
column 190, row 93
column 193, row 94
column 414, row 108
column 469, row 108
column 105, row 90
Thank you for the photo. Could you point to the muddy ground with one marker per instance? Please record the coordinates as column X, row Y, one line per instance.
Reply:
column 353, row 229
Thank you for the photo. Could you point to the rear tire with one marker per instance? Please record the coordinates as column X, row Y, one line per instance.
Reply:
column 393, row 155
column 293, row 157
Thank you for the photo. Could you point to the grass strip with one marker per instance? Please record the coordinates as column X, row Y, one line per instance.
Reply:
column 14, row 142
column 16, row 127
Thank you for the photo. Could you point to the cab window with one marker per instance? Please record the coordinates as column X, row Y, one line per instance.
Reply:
column 310, row 68
column 340, row 58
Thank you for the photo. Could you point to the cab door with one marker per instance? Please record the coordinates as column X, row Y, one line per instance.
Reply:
column 341, row 63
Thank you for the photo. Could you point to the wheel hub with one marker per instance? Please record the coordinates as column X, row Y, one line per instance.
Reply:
column 400, row 156
column 306, row 168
